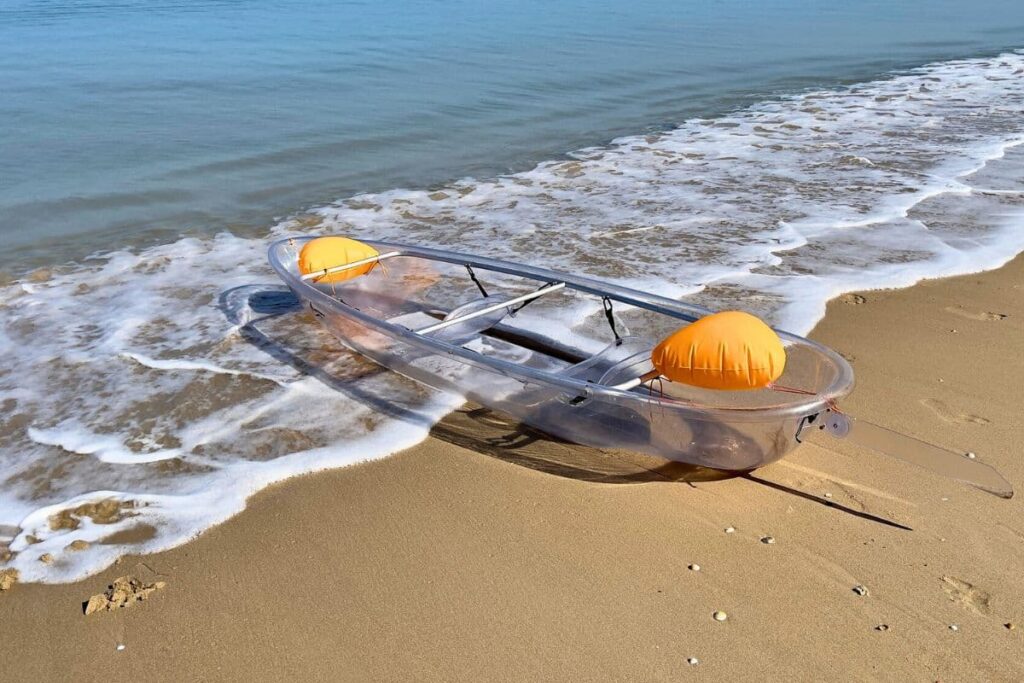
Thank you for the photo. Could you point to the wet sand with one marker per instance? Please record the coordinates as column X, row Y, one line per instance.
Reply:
column 491, row 552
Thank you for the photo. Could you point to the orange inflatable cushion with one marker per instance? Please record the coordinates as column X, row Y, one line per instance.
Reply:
column 727, row 350
column 328, row 252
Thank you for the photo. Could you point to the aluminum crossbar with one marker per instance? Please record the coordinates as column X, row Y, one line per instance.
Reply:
column 490, row 309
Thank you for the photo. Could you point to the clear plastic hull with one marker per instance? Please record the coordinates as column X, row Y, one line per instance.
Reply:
column 554, row 385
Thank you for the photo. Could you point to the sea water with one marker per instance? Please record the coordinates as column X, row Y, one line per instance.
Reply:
column 763, row 155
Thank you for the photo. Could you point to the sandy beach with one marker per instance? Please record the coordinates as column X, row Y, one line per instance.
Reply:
column 488, row 552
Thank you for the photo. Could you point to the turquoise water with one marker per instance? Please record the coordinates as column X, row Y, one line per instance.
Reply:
column 138, row 120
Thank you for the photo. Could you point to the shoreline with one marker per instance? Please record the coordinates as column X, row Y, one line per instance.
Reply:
column 166, row 379
column 548, row 559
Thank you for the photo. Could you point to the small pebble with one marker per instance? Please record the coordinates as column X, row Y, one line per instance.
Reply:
column 860, row 590
column 692, row 661
column 720, row 616
column 944, row 499
column 1010, row 625
column 767, row 540
column 694, row 567
column 730, row 530
column 120, row 646
column 954, row 627
column 828, row 495
column 972, row 455
column 882, row 627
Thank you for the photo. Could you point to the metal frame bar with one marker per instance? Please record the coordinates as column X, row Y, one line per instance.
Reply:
column 554, row 287
column 349, row 266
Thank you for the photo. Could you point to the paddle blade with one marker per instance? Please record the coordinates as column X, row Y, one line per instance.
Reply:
column 933, row 458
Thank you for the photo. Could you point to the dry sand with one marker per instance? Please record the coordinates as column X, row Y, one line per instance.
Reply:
column 489, row 552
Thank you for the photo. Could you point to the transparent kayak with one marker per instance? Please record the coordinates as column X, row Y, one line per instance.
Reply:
column 576, row 364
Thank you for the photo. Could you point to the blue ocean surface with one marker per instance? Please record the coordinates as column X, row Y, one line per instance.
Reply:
column 130, row 121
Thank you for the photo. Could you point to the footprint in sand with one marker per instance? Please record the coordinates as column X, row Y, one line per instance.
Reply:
column 947, row 414
column 966, row 594
column 976, row 315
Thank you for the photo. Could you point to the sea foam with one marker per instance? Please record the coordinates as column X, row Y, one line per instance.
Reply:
column 174, row 381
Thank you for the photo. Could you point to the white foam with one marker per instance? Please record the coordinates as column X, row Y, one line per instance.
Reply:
column 181, row 516
column 74, row 438
column 749, row 199
column 182, row 377
column 202, row 366
column 137, row 377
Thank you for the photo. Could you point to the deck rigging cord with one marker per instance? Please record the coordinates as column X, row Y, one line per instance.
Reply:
column 606, row 303
column 479, row 285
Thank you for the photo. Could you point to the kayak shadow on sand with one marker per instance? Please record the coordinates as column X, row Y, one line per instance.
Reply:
column 496, row 435
column 490, row 433
column 480, row 429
